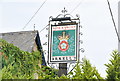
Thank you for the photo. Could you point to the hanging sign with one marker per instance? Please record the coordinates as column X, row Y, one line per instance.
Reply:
column 63, row 43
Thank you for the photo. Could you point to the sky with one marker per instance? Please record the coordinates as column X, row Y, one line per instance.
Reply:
column 99, row 37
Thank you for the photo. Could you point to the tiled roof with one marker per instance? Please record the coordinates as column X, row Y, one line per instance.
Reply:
column 24, row 39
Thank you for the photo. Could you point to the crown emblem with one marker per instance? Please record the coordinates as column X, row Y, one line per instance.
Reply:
column 63, row 37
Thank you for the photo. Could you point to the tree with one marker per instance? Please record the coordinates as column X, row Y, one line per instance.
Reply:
column 85, row 70
column 18, row 64
column 113, row 68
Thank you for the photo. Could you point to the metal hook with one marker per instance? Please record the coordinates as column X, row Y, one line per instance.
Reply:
column 45, row 43
column 81, row 41
column 81, row 33
column 82, row 50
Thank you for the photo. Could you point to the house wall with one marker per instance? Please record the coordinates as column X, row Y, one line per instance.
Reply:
column 35, row 47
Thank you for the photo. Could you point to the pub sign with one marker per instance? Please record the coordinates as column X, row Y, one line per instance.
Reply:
column 63, row 43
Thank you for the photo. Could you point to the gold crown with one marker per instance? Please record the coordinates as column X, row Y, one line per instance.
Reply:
column 63, row 37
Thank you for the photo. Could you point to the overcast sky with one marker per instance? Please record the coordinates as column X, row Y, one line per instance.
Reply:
column 99, row 37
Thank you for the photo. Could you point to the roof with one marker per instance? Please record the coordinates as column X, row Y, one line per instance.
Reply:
column 24, row 39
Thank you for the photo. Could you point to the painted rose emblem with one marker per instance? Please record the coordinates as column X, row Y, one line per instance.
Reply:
column 63, row 45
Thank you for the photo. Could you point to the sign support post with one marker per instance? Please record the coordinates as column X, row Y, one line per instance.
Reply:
column 62, row 69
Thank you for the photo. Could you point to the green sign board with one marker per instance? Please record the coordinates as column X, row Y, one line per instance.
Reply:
column 63, row 44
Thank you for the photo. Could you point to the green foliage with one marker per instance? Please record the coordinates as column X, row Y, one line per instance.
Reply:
column 47, row 73
column 85, row 70
column 18, row 64
column 113, row 68
column 78, row 72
